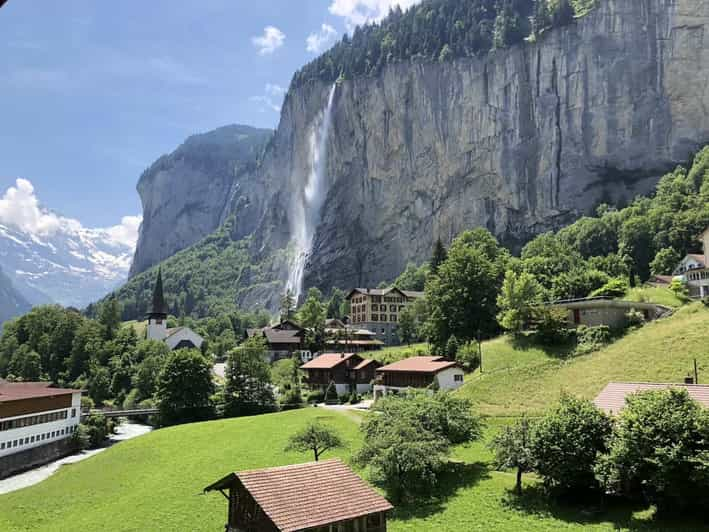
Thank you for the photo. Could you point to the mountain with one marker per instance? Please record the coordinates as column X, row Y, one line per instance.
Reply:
column 11, row 301
column 71, row 265
column 519, row 134
column 186, row 194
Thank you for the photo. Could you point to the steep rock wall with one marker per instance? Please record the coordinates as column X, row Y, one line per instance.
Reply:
column 187, row 194
column 520, row 142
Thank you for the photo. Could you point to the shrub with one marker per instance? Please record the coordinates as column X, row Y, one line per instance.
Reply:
column 552, row 326
column 80, row 439
column 316, row 396
column 98, row 428
column 613, row 288
column 589, row 339
column 679, row 289
column 354, row 398
column 468, row 356
column 634, row 318
column 513, row 449
column 567, row 440
column 659, row 452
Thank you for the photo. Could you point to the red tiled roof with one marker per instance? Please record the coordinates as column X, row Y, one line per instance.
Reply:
column 612, row 398
column 366, row 362
column 16, row 391
column 419, row 365
column 302, row 496
column 327, row 361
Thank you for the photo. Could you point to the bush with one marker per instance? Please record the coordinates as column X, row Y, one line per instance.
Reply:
column 659, row 452
column 469, row 356
column 589, row 339
column 634, row 318
column 567, row 440
column 613, row 288
column 354, row 398
column 98, row 428
column 80, row 439
column 316, row 396
column 552, row 327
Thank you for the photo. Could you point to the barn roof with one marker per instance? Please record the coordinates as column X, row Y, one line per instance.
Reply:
column 303, row 496
column 327, row 361
column 430, row 364
column 612, row 397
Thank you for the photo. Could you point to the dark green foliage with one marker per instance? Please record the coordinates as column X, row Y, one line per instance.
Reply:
column 248, row 389
column 206, row 279
column 315, row 437
column 589, row 339
column 80, row 438
column 336, row 304
column 436, row 30
column 552, row 328
column 439, row 255
column 412, row 278
column 513, row 449
column 665, row 261
column 185, row 387
column 452, row 346
column 97, row 429
column 407, row 440
column 462, row 296
column 566, row 443
column 659, row 452
column 468, row 356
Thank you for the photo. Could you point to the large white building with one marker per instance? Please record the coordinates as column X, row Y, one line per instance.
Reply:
column 175, row 338
column 694, row 269
column 32, row 415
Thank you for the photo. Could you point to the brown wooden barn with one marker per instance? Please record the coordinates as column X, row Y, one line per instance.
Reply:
column 324, row 496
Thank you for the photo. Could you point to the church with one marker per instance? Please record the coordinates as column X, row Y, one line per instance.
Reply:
column 175, row 338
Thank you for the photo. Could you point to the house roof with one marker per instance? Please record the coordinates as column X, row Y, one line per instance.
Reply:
column 384, row 291
column 176, row 330
column 276, row 336
column 17, row 391
column 366, row 362
column 431, row 364
column 356, row 342
column 612, row 397
column 327, row 361
column 303, row 496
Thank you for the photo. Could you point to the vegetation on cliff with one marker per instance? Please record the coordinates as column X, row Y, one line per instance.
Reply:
column 440, row 30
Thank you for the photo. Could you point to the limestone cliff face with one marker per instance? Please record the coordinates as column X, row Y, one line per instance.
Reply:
column 520, row 142
column 187, row 194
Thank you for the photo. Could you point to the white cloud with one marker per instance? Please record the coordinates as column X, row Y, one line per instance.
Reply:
column 271, row 99
column 270, row 41
column 127, row 232
column 357, row 12
column 20, row 208
column 317, row 42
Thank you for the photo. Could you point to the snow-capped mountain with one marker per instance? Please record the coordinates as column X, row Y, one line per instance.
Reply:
column 53, row 259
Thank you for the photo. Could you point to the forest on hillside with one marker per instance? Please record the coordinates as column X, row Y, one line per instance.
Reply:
column 440, row 30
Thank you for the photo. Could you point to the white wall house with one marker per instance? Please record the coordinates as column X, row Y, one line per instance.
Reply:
column 32, row 415
column 418, row 372
column 693, row 269
column 183, row 337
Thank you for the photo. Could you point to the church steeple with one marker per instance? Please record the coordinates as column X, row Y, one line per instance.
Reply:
column 159, row 308
column 157, row 317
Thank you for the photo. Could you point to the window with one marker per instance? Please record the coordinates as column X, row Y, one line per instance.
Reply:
column 31, row 439
column 458, row 378
column 392, row 318
column 27, row 440
column 2, row 446
column 73, row 412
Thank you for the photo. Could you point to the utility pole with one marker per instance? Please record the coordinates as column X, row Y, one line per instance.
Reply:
column 480, row 351
column 696, row 375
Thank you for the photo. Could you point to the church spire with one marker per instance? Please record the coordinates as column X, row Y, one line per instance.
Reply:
column 159, row 307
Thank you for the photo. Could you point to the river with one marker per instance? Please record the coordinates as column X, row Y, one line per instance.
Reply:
column 125, row 431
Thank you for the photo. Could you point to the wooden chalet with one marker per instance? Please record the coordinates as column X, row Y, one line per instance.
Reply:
column 282, row 340
column 417, row 372
column 324, row 496
column 347, row 371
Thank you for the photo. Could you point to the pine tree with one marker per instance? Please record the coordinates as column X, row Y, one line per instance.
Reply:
column 439, row 255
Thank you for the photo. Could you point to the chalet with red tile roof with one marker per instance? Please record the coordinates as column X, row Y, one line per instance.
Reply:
column 348, row 372
column 612, row 398
column 316, row 497
column 417, row 372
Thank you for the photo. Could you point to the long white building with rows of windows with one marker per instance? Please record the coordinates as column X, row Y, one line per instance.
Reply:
column 32, row 415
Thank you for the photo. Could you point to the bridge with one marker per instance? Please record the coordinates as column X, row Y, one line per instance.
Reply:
column 120, row 412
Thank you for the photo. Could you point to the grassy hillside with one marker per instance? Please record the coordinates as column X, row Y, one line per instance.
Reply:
column 518, row 378
column 155, row 483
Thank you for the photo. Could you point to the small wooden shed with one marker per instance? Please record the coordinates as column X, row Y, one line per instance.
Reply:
column 324, row 496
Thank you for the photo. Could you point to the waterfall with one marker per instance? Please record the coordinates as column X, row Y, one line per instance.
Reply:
column 309, row 200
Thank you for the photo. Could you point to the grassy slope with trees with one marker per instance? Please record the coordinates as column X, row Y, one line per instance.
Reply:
column 154, row 483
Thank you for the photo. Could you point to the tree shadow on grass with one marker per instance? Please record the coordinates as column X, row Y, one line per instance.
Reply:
column 535, row 500
column 455, row 476
column 524, row 342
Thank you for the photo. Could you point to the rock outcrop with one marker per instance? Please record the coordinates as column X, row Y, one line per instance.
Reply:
column 187, row 194
column 521, row 141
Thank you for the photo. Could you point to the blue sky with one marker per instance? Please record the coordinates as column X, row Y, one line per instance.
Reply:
column 91, row 91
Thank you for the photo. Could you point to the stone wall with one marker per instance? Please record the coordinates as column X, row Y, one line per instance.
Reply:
column 36, row 456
